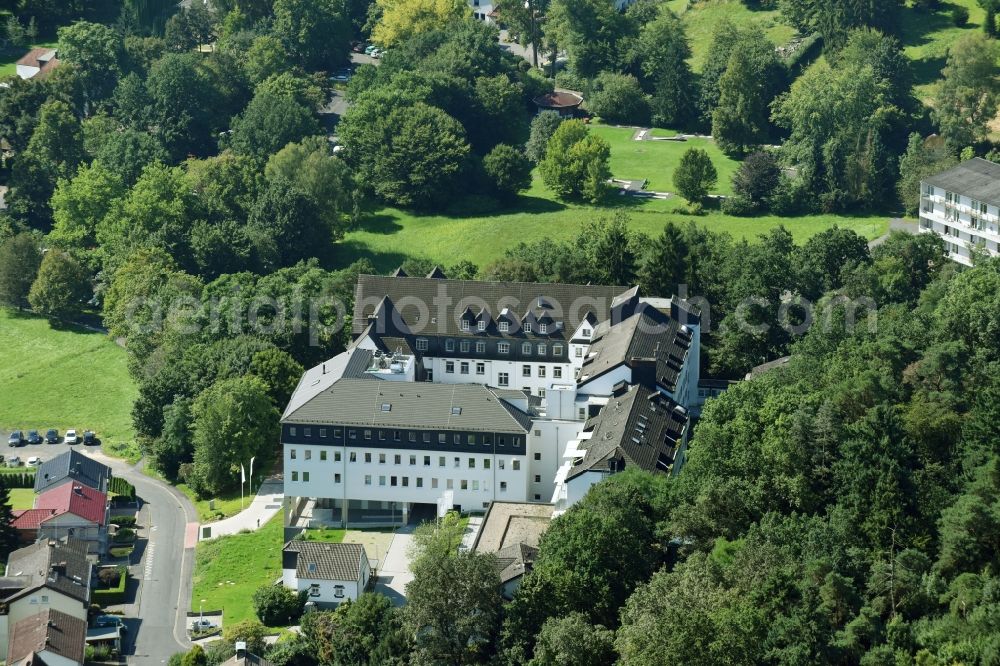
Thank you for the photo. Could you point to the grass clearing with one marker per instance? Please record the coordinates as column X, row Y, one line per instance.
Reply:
column 324, row 535
column 228, row 570
column 926, row 36
column 225, row 506
column 22, row 498
column 656, row 161
column 60, row 376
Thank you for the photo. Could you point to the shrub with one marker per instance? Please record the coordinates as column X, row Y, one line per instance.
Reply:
column 618, row 98
column 124, row 535
column 276, row 605
column 576, row 163
column 112, row 595
column 543, row 126
column 508, row 170
column 251, row 631
column 109, row 576
column 738, row 206
column 959, row 15
column 123, row 521
column 757, row 177
column 790, row 198
column 695, row 175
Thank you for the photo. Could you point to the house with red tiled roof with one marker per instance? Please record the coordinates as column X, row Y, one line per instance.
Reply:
column 70, row 510
column 37, row 62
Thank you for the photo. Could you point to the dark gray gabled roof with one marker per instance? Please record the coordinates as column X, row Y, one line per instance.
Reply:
column 976, row 178
column 443, row 301
column 640, row 427
column 63, row 567
column 359, row 402
column 651, row 342
column 324, row 561
column 515, row 560
column 73, row 464
column 351, row 363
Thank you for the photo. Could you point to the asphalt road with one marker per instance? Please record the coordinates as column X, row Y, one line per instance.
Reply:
column 44, row 451
column 164, row 595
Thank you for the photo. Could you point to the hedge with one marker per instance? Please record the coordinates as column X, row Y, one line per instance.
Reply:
column 121, row 487
column 14, row 478
column 123, row 521
column 114, row 595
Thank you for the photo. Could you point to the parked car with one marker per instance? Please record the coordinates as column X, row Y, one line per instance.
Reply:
column 70, row 437
column 16, row 438
column 377, row 53
column 13, row 461
column 370, row 48
column 89, row 438
column 358, row 47
column 202, row 625
column 52, row 436
column 34, row 437
column 342, row 75
column 110, row 621
column 34, row 461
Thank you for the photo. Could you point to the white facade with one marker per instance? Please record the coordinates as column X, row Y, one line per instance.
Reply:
column 482, row 10
column 963, row 222
column 329, row 592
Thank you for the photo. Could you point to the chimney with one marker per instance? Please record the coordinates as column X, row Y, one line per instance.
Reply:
column 241, row 650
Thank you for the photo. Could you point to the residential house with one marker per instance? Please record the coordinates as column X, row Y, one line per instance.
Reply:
column 67, row 510
column 962, row 206
column 331, row 573
column 49, row 638
column 47, row 575
column 37, row 62
column 74, row 467
column 512, row 531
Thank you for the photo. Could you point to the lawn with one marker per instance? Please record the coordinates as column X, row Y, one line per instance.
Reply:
column 926, row 37
column 8, row 59
column 701, row 18
column 387, row 236
column 22, row 498
column 657, row 160
column 225, row 506
column 228, row 570
column 64, row 377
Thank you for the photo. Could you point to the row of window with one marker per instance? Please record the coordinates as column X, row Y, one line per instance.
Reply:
column 383, row 435
column 397, row 458
column 404, row 481
column 465, row 346
column 463, row 369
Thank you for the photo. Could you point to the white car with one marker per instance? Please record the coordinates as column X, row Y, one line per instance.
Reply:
column 70, row 437
column 34, row 461
column 13, row 461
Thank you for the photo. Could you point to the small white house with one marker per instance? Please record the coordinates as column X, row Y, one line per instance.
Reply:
column 331, row 573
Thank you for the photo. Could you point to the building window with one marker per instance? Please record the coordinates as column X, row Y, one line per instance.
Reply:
column 406, row 482
column 464, row 346
column 338, row 433
column 427, row 437
column 475, row 484
column 427, row 461
column 486, row 463
column 291, row 431
column 393, row 481
column 440, row 461
column 322, row 455
column 397, row 459
column 449, row 367
column 305, row 476
column 314, row 590
column 480, row 347
column 307, row 432
column 541, row 393
column 396, row 436
column 308, row 454
column 463, row 368
column 368, row 479
column 541, row 371
column 449, row 345
column 538, row 478
column 465, row 324
column 413, row 460
column 472, row 463
column 420, row 482
column 368, row 456
column 295, row 476
column 503, row 347
column 338, row 591
column 465, row 485
column 449, row 484
column 322, row 432
column 352, row 434
column 557, row 372
column 525, row 370
column 434, row 482
column 381, row 480
column 541, row 350
column 381, row 435
column 557, row 350
column 537, row 497
column 503, row 486
column 527, row 327
column 381, row 459
column 526, row 348
column 500, row 464
column 543, row 328
column 292, row 454
column 368, row 434
column 581, row 413
column 481, row 326
column 458, row 461
column 503, row 379
column 516, row 465
column 336, row 478
column 504, row 326
column 421, row 344
column 480, row 368
column 442, row 438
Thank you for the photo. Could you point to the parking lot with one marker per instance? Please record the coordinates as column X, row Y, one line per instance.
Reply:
column 44, row 451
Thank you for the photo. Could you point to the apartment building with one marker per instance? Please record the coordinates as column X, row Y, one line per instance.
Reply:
column 459, row 393
column 962, row 205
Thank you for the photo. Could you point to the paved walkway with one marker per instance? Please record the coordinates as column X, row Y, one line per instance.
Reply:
column 895, row 224
column 264, row 506
column 395, row 570
column 471, row 530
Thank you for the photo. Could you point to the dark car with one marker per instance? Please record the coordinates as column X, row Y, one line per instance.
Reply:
column 89, row 438
column 52, row 436
column 104, row 621
column 34, row 437
column 16, row 438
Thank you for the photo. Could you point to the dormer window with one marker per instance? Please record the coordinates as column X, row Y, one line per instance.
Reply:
column 481, row 326
column 543, row 328
column 585, row 332
column 505, row 327
column 526, row 349
column 465, row 325
column 449, row 345
column 527, row 327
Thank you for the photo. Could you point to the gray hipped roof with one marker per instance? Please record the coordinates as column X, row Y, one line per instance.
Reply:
column 640, row 427
column 73, row 464
column 60, row 566
column 325, row 561
column 362, row 402
column 976, row 178
column 351, row 363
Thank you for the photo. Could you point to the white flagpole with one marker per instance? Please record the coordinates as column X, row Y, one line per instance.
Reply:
column 243, row 480
column 252, row 458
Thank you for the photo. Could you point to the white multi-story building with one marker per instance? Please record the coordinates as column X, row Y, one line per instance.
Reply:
column 962, row 205
column 460, row 393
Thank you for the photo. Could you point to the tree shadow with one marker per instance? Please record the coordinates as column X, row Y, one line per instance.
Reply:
column 916, row 27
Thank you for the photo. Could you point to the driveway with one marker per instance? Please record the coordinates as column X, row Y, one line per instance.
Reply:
column 43, row 450
column 395, row 571
column 266, row 503
column 895, row 224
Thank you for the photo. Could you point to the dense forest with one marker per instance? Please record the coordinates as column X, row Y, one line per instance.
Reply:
column 176, row 171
